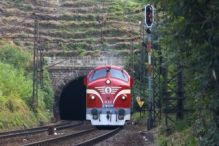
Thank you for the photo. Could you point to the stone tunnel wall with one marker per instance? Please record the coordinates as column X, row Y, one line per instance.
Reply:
column 76, row 66
column 86, row 62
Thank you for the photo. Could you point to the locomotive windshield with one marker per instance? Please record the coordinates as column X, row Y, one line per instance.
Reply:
column 98, row 74
column 118, row 74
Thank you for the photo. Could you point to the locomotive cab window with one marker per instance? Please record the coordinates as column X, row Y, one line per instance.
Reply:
column 98, row 74
column 118, row 74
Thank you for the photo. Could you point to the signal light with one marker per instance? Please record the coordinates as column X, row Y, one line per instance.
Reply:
column 149, row 15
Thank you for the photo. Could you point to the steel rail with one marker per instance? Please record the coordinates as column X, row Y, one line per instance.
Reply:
column 99, row 138
column 59, row 139
column 39, row 130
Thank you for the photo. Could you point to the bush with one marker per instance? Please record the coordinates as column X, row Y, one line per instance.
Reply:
column 47, row 47
column 119, row 13
column 144, row 116
column 67, row 17
column 180, row 125
column 91, row 17
column 18, row 43
column 14, row 56
column 162, row 140
column 16, row 89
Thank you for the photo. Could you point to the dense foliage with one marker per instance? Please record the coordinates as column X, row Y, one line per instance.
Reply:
column 16, row 91
column 189, row 34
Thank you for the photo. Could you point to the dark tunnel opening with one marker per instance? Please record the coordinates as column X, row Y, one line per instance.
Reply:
column 72, row 104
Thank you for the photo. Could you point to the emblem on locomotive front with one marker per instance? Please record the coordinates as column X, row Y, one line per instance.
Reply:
column 108, row 90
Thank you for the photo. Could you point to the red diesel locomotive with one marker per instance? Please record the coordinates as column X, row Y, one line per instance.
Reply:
column 108, row 96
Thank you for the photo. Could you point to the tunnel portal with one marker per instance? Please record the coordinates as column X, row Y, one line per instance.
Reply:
column 72, row 103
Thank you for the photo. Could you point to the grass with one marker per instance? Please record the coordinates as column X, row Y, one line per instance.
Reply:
column 16, row 91
column 181, row 133
column 137, row 2
column 142, row 118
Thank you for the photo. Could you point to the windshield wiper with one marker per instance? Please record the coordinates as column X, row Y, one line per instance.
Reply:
column 123, row 74
column 93, row 74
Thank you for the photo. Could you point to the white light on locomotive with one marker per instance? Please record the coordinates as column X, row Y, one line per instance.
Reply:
column 108, row 81
column 123, row 97
column 92, row 97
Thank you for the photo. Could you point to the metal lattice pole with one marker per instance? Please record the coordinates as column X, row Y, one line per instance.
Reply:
column 35, row 64
column 174, row 104
column 41, row 64
column 156, row 71
column 132, row 72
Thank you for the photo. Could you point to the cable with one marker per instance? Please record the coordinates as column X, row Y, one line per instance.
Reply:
column 19, row 23
column 14, row 30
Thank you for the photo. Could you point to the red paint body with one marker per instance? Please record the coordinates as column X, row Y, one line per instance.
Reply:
column 111, row 94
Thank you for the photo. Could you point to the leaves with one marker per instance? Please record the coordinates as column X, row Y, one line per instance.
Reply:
column 16, row 88
column 189, row 35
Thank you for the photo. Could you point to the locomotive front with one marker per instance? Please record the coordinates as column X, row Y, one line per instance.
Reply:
column 108, row 96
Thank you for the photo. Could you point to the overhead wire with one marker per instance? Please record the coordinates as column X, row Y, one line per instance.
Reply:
column 13, row 29
column 17, row 24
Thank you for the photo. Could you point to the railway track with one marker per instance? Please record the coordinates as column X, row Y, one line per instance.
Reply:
column 65, row 135
column 2, row 134
column 11, row 134
column 82, row 138
column 20, row 136
column 98, row 138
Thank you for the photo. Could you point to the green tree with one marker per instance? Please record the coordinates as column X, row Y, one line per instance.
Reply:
column 189, row 33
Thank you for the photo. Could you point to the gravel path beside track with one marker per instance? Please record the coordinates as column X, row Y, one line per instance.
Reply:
column 130, row 135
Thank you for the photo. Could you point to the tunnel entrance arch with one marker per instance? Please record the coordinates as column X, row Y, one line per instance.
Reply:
column 72, row 102
column 69, row 91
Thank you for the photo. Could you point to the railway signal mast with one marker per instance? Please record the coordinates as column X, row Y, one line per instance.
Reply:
column 149, row 19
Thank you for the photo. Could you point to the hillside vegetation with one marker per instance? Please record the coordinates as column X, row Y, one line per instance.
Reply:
column 16, row 92
column 76, row 25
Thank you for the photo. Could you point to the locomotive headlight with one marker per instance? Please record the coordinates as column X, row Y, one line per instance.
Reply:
column 108, row 81
column 123, row 97
column 92, row 97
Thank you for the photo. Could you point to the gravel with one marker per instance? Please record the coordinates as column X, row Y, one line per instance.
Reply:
column 130, row 135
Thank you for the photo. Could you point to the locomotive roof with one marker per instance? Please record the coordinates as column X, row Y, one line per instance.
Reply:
column 112, row 66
